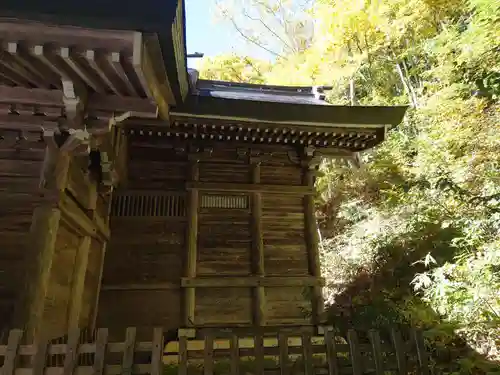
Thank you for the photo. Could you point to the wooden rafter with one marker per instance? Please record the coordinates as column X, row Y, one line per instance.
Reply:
column 341, row 138
column 120, row 71
column 38, row 56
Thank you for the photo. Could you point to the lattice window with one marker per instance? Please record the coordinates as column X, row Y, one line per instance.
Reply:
column 137, row 205
column 224, row 201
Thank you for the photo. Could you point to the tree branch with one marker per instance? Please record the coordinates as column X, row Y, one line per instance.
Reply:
column 254, row 41
column 269, row 29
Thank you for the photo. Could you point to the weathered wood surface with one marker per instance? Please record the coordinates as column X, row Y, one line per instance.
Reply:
column 110, row 63
column 357, row 353
column 171, row 237
column 19, row 178
column 214, row 128
column 47, row 203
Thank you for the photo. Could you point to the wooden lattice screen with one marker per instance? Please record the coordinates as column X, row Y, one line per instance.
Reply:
column 140, row 205
column 224, row 201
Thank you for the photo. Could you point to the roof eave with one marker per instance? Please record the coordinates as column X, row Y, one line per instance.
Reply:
column 213, row 107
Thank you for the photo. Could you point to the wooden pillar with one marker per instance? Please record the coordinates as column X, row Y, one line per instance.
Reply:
column 80, row 268
column 43, row 234
column 41, row 242
column 95, row 311
column 312, row 242
column 191, row 243
column 259, row 314
column 78, row 283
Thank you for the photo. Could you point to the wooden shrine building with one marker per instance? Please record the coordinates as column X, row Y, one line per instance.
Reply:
column 134, row 194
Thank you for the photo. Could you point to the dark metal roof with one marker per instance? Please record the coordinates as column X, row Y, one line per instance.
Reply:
column 261, row 93
column 144, row 15
column 283, row 104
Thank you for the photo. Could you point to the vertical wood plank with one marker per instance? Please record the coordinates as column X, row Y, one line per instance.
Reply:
column 311, row 228
column 356, row 358
column 157, row 351
column 312, row 242
column 40, row 356
column 257, row 248
column 423, row 360
column 99, row 285
column 183, row 355
column 259, row 353
column 283, row 346
column 374, row 337
column 55, row 169
column 101, row 265
column 208, row 355
column 120, row 148
column 192, row 244
column 10, row 359
column 71, row 356
column 42, row 239
column 331, row 352
column 398, row 343
column 307, row 354
column 235, row 355
column 128, row 351
column 100, row 351
column 257, row 240
column 78, row 283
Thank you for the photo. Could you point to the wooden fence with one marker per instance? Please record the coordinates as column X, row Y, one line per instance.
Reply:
column 357, row 353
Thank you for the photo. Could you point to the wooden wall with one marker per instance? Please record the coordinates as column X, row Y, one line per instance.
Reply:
column 234, row 253
column 144, row 258
column 52, row 241
column 19, row 179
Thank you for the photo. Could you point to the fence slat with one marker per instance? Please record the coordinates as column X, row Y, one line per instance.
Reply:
column 331, row 353
column 71, row 356
column 377, row 351
column 259, row 353
column 208, row 357
column 235, row 355
column 423, row 361
column 307, row 354
column 397, row 341
column 283, row 344
column 128, row 351
column 356, row 359
column 183, row 355
column 100, row 351
column 68, row 354
column 157, row 351
column 40, row 356
column 10, row 359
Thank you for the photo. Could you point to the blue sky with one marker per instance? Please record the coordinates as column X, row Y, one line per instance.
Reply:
column 213, row 37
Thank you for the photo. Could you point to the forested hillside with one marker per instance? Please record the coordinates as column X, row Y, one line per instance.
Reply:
column 413, row 236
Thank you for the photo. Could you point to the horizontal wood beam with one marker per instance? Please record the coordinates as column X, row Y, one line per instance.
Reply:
column 27, row 123
column 61, row 349
column 122, row 104
column 130, row 287
column 251, row 281
column 250, row 188
column 55, row 98
column 221, row 282
column 74, row 216
column 161, row 143
column 36, row 123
